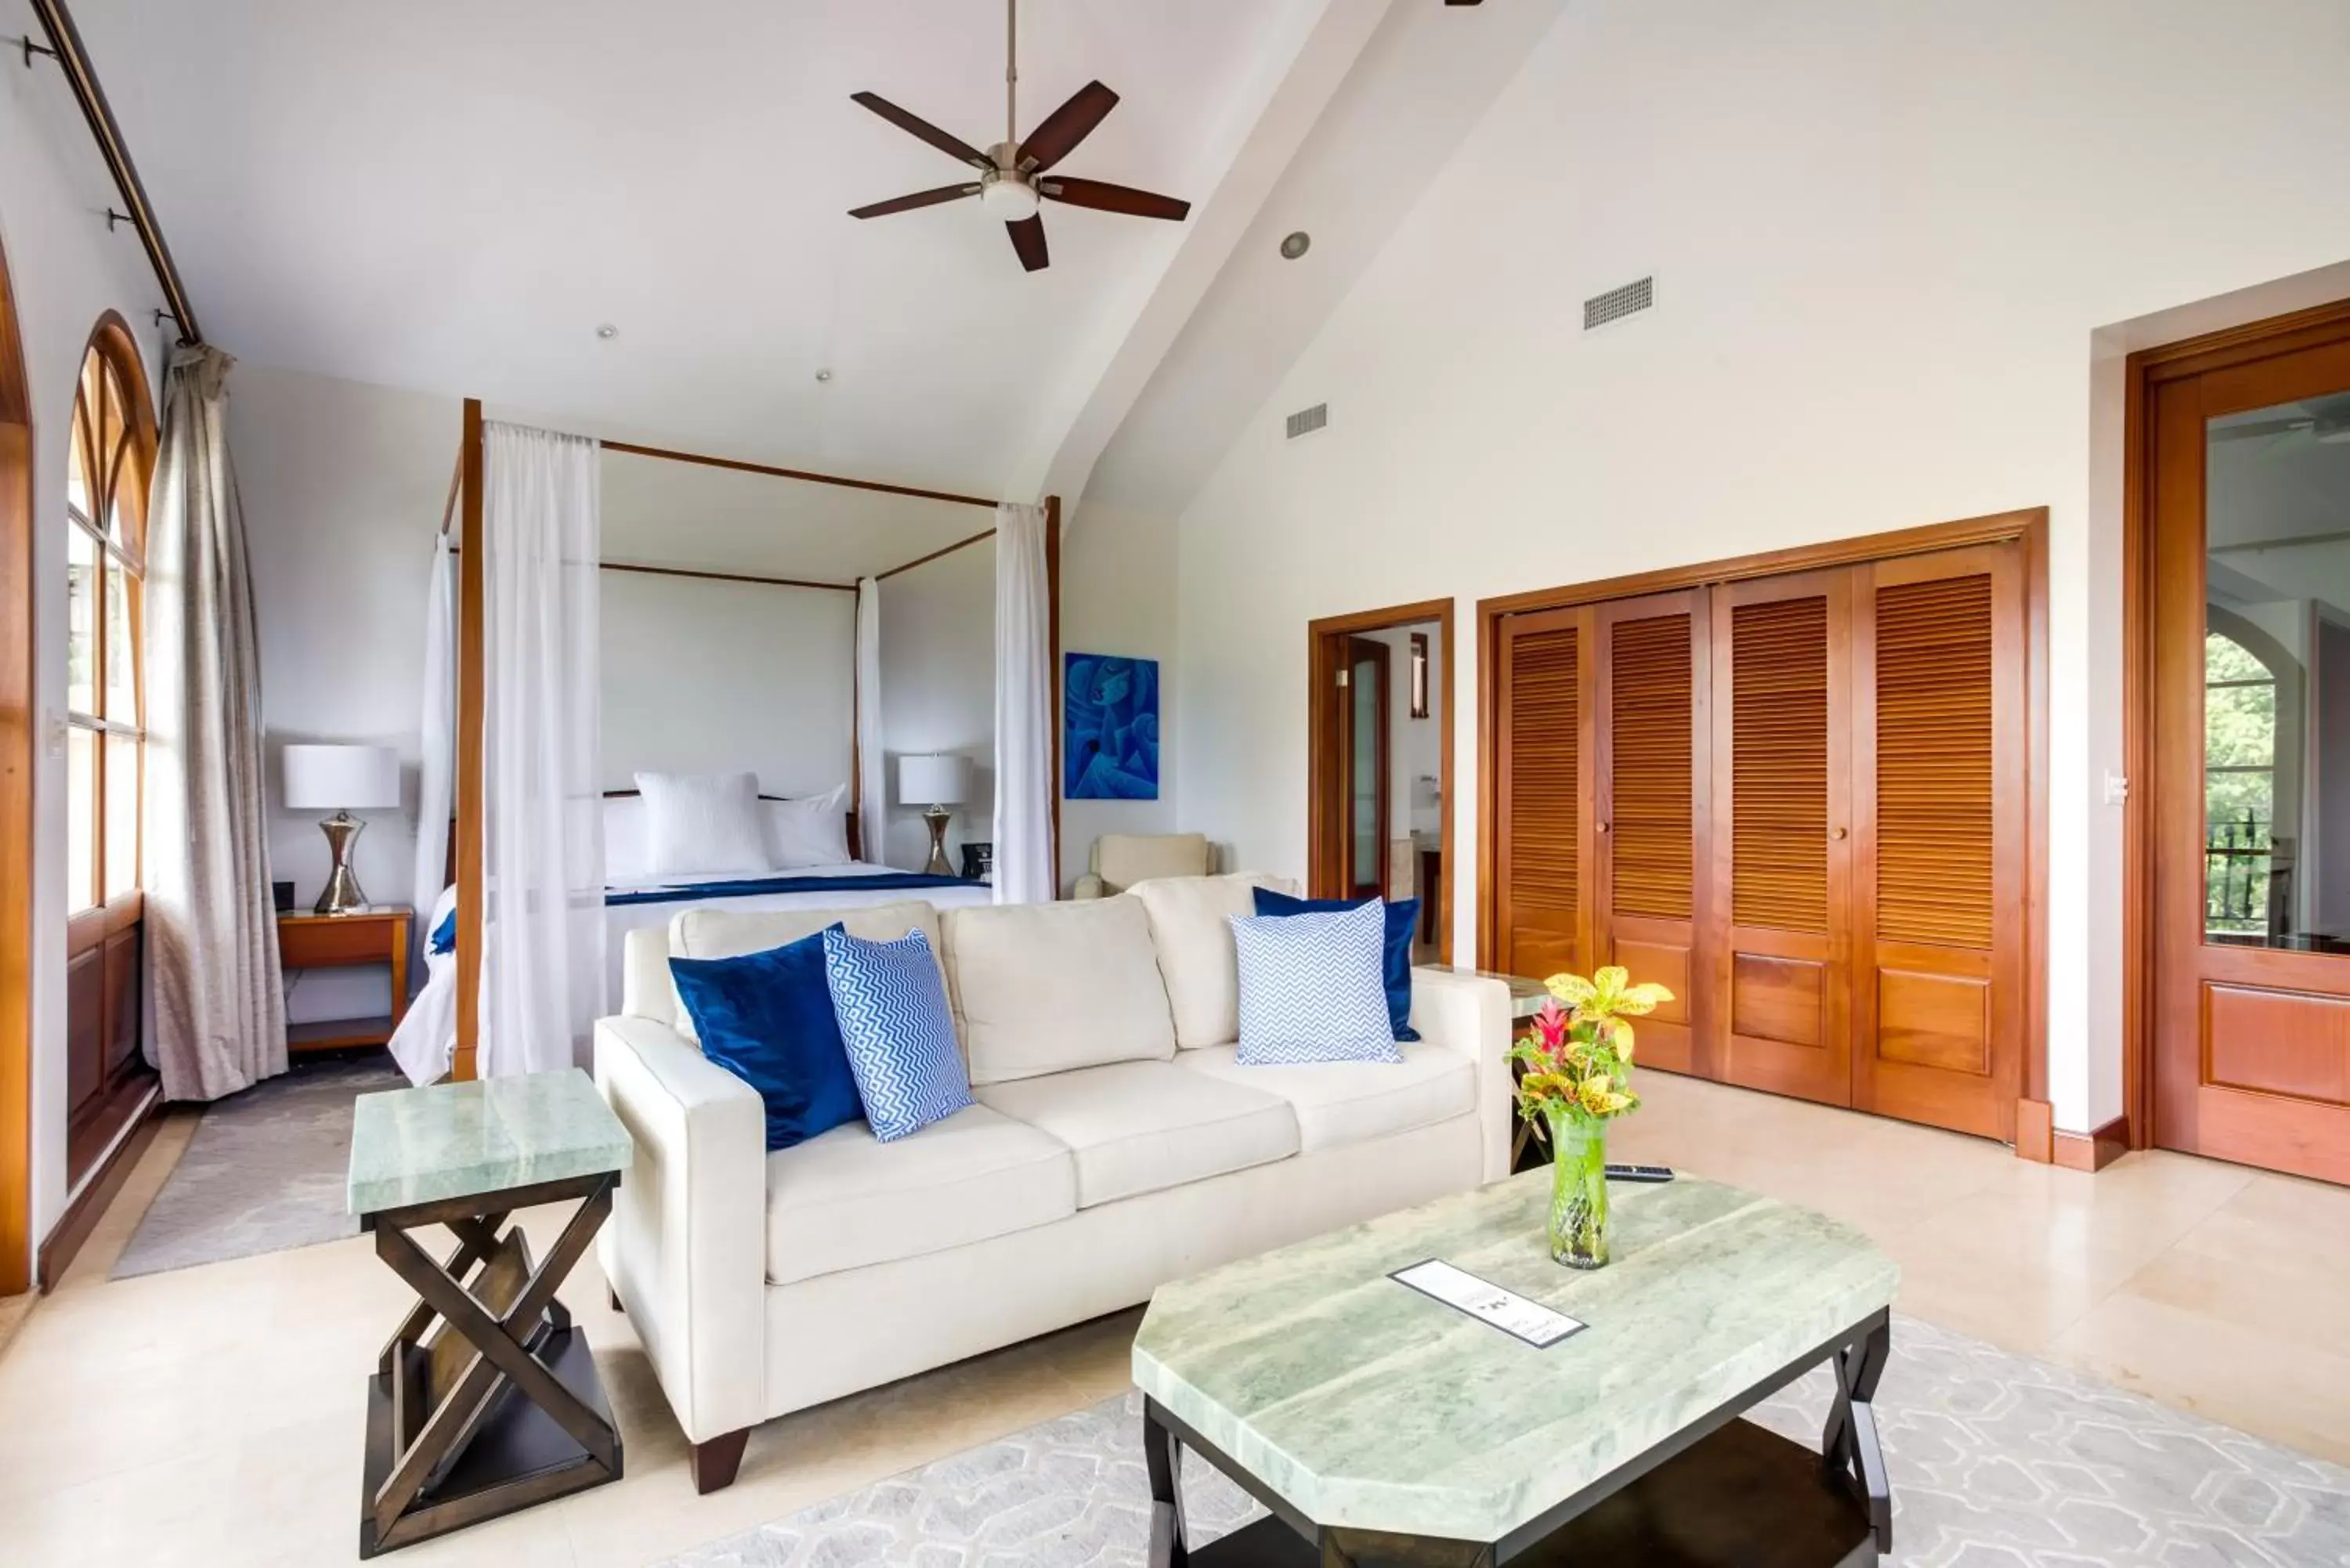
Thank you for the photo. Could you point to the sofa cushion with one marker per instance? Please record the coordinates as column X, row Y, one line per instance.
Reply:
column 1045, row 988
column 1339, row 1103
column 1142, row 1127
column 724, row 933
column 898, row 1031
column 1311, row 988
column 1195, row 949
column 845, row 1199
column 1402, row 928
column 767, row 1017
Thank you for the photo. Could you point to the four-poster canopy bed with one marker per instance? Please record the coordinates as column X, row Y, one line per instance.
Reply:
column 467, row 858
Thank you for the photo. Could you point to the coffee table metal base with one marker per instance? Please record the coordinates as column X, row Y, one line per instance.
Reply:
column 1724, row 1492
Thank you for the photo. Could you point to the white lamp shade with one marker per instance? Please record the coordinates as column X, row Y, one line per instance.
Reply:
column 340, row 778
column 936, row 779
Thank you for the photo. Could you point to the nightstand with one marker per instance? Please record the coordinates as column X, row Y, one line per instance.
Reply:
column 378, row 934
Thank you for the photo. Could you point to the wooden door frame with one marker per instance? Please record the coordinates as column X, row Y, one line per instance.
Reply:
column 2028, row 526
column 2144, row 371
column 1326, row 641
column 16, row 762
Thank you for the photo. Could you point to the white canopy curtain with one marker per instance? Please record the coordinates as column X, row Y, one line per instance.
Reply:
column 542, row 817
column 218, row 1006
column 1023, row 710
column 436, row 788
column 872, row 804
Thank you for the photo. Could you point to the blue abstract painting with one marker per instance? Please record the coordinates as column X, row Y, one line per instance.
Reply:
column 1110, row 722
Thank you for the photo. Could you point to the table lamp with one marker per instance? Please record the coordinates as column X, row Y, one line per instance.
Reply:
column 935, row 782
column 341, row 778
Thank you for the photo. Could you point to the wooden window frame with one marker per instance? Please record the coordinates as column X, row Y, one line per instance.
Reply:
column 17, row 757
column 2028, row 526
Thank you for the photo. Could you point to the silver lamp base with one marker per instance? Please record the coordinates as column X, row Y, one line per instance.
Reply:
column 938, row 817
column 342, row 895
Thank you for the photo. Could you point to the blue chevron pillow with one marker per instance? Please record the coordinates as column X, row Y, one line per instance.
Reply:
column 1403, row 925
column 1314, row 987
column 898, row 1031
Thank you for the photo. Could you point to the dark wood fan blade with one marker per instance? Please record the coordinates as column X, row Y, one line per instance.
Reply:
column 1028, row 239
column 1112, row 198
column 1062, row 130
column 919, row 199
column 916, row 125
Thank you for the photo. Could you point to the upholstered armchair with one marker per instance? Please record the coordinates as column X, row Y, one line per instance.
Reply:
column 1122, row 859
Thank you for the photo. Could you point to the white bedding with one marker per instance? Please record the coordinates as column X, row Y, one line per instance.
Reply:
column 427, row 1036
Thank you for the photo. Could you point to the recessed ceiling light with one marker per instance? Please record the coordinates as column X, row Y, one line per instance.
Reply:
column 608, row 332
column 824, row 375
column 1295, row 244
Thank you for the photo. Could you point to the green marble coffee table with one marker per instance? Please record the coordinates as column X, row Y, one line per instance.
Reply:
column 1384, row 1428
column 499, row 1405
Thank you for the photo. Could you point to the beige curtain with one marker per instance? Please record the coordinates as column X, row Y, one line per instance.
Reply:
column 217, row 1013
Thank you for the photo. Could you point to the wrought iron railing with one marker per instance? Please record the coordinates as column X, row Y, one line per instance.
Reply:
column 2236, row 867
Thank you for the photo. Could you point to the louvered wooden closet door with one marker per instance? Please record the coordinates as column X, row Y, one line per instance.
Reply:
column 1544, row 754
column 1941, row 791
column 1650, row 809
column 1780, row 940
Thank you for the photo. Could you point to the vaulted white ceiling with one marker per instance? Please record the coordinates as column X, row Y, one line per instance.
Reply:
column 451, row 196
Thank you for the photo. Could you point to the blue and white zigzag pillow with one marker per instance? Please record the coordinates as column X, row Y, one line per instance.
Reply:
column 1314, row 987
column 897, row 1031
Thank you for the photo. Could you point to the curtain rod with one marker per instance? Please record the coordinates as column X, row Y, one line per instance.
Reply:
column 926, row 560
column 633, row 450
column 66, row 46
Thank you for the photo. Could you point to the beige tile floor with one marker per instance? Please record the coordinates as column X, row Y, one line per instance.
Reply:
column 212, row 1415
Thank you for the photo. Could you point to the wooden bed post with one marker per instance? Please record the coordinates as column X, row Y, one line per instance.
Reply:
column 470, row 704
column 1052, row 665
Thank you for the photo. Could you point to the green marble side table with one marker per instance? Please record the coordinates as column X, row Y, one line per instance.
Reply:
column 1383, row 1428
column 485, row 1398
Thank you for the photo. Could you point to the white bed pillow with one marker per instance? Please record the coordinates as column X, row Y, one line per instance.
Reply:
column 703, row 825
column 813, row 831
column 628, row 845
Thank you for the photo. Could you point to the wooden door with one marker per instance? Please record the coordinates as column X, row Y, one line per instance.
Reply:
column 1543, row 689
column 1780, row 941
column 1652, row 736
column 1939, row 825
column 1363, row 768
column 2251, row 758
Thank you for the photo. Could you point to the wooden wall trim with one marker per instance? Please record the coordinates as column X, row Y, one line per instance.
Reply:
column 89, row 1205
column 1324, row 652
column 17, row 743
column 2092, row 1151
column 470, row 704
column 2028, row 526
column 1992, row 529
column 2035, row 1131
column 2142, row 371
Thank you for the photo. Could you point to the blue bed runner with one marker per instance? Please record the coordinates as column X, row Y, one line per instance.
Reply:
column 886, row 882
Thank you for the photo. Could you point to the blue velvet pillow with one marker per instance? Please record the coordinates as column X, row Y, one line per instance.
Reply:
column 444, row 938
column 1403, row 919
column 766, row 1017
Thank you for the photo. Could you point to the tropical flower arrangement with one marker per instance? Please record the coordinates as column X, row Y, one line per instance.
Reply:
column 1577, row 1062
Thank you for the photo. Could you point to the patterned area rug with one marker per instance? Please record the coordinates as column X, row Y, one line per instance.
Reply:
column 264, row 1171
column 1997, row 1462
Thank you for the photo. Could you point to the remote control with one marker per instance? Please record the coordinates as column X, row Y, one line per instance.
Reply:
column 1639, row 1173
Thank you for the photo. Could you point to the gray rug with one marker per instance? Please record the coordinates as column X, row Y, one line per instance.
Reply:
column 1997, row 1460
column 264, row 1171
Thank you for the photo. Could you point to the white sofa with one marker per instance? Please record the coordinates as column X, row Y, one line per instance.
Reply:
column 1117, row 1145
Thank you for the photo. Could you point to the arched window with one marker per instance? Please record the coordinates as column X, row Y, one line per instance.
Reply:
column 2239, row 784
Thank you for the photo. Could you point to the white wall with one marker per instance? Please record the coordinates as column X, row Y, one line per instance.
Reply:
column 66, row 270
column 1119, row 580
column 938, row 694
column 1886, row 237
column 344, row 485
column 712, row 677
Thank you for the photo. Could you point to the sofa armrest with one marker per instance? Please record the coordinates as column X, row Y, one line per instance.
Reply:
column 1091, row 887
column 686, row 1247
column 1470, row 1014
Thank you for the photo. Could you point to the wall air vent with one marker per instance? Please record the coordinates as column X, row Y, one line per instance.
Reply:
column 1305, row 421
column 1618, row 303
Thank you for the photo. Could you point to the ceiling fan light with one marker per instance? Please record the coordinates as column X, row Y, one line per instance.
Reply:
column 1007, row 198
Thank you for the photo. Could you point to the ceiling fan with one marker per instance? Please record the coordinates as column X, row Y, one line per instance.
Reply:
column 1011, row 183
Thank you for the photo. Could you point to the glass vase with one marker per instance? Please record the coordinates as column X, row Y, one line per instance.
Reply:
column 1578, row 1191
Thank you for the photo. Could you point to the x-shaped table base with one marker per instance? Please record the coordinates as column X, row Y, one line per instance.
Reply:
column 500, row 1408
